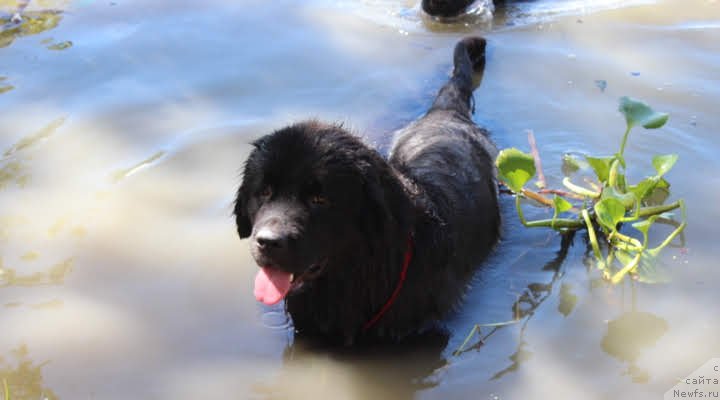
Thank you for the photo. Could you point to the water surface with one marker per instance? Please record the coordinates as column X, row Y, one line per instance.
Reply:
column 125, row 125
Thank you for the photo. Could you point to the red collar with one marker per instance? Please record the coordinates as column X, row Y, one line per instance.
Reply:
column 403, row 274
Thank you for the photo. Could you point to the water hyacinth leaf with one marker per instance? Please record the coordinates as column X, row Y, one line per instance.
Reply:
column 657, row 196
column 515, row 168
column 626, row 269
column 560, row 205
column 627, row 199
column 663, row 164
column 624, row 257
column 609, row 212
column 601, row 166
column 638, row 113
column 644, row 188
column 570, row 164
column 644, row 225
column 621, row 182
column 652, row 270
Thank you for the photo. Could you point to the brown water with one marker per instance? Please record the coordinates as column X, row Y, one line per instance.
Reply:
column 124, row 127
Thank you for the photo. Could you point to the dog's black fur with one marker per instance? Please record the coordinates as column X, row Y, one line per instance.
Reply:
column 453, row 8
column 342, row 217
column 445, row 8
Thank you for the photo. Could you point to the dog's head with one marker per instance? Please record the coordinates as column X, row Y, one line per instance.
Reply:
column 310, row 196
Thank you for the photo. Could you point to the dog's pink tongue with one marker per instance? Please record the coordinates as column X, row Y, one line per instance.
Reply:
column 271, row 285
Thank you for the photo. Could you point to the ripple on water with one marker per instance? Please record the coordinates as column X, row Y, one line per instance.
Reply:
column 275, row 319
column 406, row 16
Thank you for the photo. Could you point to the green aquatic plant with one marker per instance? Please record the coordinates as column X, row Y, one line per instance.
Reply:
column 607, row 203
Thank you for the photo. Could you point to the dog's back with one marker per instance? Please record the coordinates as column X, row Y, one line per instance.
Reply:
column 450, row 161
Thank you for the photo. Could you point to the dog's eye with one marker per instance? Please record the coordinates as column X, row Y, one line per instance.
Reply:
column 318, row 200
column 266, row 192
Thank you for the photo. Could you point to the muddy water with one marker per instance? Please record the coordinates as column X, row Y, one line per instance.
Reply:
column 125, row 123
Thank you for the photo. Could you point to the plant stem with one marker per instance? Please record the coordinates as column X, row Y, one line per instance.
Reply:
column 670, row 238
column 536, row 156
column 674, row 233
column 625, row 238
column 546, row 223
column 497, row 324
column 567, row 223
column 624, row 141
column 626, row 246
column 579, row 189
column 519, row 210
column 627, row 268
column 612, row 175
column 537, row 197
column 593, row 240
column 593, row 185
column 648, row 211
column 562, row 193
column 475, row 328
column 608, row 262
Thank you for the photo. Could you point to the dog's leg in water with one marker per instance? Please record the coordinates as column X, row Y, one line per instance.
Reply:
column 445, row 8
column 469, row 60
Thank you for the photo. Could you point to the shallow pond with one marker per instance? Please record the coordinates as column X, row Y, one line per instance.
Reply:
column 124, row 127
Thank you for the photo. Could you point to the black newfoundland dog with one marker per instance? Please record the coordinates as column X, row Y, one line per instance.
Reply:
column 364, row 248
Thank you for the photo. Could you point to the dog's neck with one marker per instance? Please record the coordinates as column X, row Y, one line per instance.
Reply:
column 374, row 260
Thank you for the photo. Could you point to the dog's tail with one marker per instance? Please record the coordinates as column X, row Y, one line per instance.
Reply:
column 456, row 94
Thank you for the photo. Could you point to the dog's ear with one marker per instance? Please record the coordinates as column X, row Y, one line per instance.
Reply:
column 242, row 220
column 378, row 210
column 388, row 208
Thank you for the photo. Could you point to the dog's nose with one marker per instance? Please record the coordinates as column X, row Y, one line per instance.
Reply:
column 268, row 241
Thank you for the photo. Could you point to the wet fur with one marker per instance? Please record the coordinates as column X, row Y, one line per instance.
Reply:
column 445, row 8
column 437, row 186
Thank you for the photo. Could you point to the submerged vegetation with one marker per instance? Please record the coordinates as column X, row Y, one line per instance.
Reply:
column 602, row 206
column 607, row 202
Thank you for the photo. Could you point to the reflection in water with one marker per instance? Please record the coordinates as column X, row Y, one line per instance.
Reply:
column 19, row 24
column 12, row 172
column 157, row 300
column 31, row 23
column 13, row 169
column 517, row 358
column 34, row 138
column 312, row 370
column 5, row 87
column 23, row 378
column 568, row 300
column 117, row 176
column 12, row 166
column 628, row 335
column 55, row 275
column 29, row 256
column 524, row 307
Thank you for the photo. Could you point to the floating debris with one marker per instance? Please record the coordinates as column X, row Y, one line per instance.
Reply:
column 601, row 84
column 61, row 45
column 6, row 88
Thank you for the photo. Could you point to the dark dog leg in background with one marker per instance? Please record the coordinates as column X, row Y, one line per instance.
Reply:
column 469, row 59
column 445, row 8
